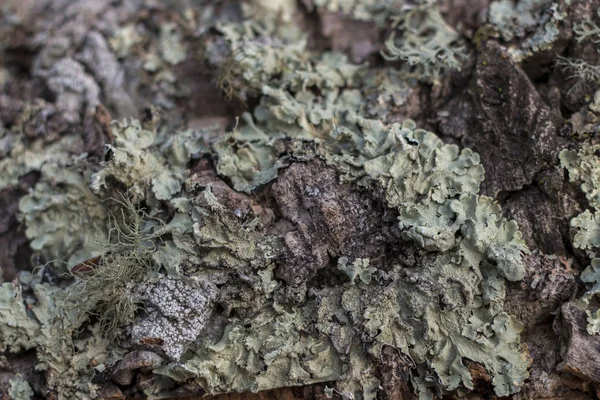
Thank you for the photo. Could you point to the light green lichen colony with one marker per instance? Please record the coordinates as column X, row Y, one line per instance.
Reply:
column 535, row 21
column 443, row 309
column 584, row 167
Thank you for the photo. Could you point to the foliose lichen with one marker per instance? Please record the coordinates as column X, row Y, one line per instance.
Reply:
column 19, row 388
column 364, row 10
column 584, row 168
column 63, row 218
column 426, row 43
column 180, row 273
column 44, row 318
column 534, row 23
column 588, row 29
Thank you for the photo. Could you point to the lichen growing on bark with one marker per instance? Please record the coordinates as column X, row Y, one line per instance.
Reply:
column 293, row 249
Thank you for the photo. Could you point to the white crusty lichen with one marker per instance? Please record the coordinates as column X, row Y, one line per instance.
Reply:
column 176, row 310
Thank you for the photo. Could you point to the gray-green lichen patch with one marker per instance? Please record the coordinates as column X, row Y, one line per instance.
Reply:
column 358, row 269
column 584, row 167
column 19, row 388
column 287, row 278
column 124, row 39
column 172, row 49
column 143, row 160
column 593, row 320
column 46, row 319
column 516, row 20
column 427, row 44
column 64, row 220
column 25, row 156
column 534, row 22
column 582, row 73
column 460, row 234
column 364, row 10
column 587, row 29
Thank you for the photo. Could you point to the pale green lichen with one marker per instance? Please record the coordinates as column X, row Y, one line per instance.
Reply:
column 172, row 49
column 593, row 320
column 127, row 259
column 581, row 72
column 434, row 187
column 47, row 321
column 516, row 20
column 587, row 29
column 358, row 269
column 364, row 10
column 591, row 277
column 534, row 22
column 24, row 157
column 64, row 220
column 584, row 167
column 427, row 44
column 19, row 388
column 124, row 39
column 143, row 161
column 588, row 230
column 174, row 255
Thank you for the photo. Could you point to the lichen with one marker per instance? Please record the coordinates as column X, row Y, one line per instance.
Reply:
column 587, row 29
column 593, row 320
column 183, row 272
column 427, row 44
column 364, row 10
column 124, row 39
column 145, row 162
column 19, row 388
column 515, row 20
column 171, row 48
column 25, row 156
column 434, row 187
column 584, row 166
column 177, row 311
column 64, row 220
column 580, row 71
column 47, row 321
column 533, row 22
